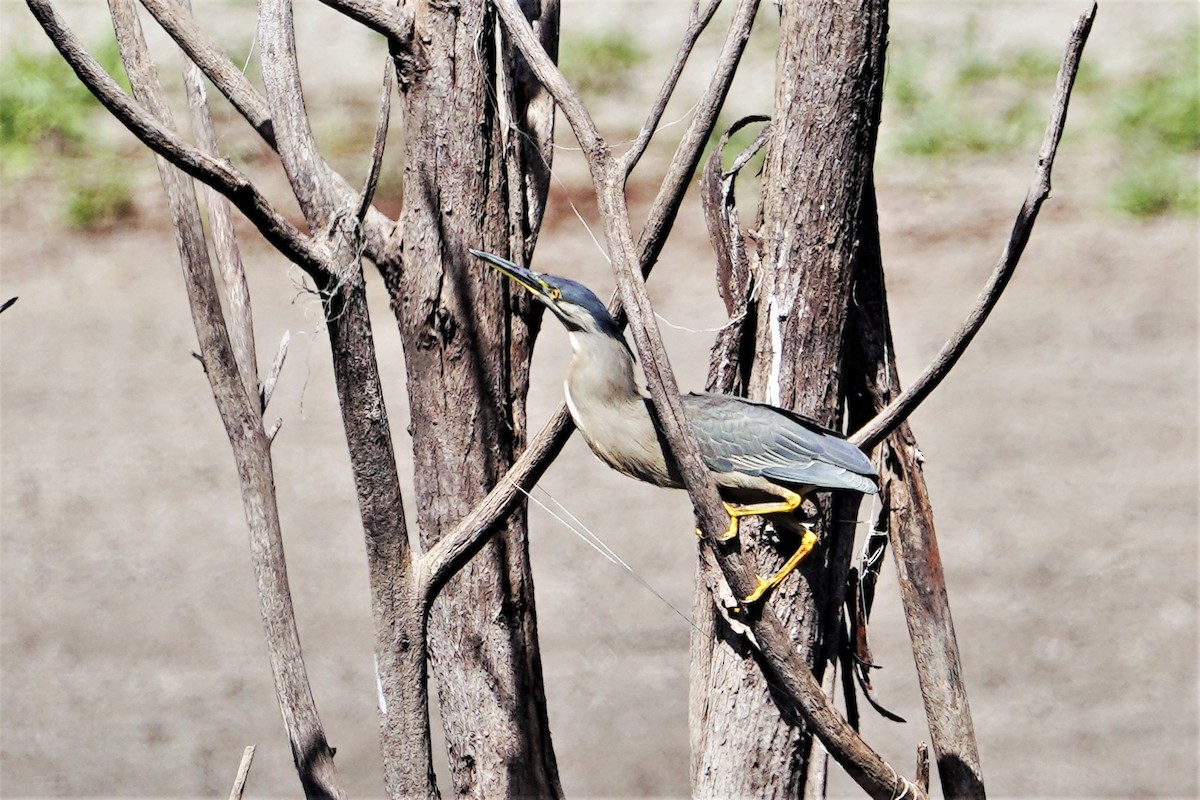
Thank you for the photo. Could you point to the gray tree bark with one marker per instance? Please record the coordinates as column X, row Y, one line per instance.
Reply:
column 467, row 404
column 829, row 72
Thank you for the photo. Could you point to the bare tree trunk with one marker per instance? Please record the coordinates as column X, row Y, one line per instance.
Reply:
column 829, row 72
column 467, row 404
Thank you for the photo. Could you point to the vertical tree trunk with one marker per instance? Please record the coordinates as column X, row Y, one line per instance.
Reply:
column 465, row 403
column 829, row 71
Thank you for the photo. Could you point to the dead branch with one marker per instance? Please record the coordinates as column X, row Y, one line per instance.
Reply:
column 902, row 407
column 225, row 246
column 454, row 549
column 381, row 132
column 243, row 772
column 268, row 384
column 285, row 97
column 243, row 424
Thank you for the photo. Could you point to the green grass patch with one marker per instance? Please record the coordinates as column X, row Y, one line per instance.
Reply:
column 1155, row 119
column 948, row 97
column 600, row 63
column 49, row 123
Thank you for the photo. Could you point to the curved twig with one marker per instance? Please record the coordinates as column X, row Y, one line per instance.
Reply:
column 381, row 132
column 899, row 409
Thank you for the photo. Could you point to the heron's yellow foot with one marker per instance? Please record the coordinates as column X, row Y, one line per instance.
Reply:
column 807, row 542
column 732, row 531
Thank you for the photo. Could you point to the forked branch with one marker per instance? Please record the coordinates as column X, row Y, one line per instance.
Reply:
column 239, row 411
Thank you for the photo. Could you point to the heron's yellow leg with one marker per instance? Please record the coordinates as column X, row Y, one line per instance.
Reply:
column 732, row 530
column 807, row 542
column 790, row 502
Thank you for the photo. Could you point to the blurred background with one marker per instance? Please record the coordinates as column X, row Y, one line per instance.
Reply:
column 1061, row 453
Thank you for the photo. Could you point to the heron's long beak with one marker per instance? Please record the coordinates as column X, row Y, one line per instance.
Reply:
column 526, row 277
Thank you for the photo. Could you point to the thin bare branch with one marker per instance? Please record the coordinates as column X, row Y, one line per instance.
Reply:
column 285, row 96
column 381, row 132
column 164, row 142
column 7, row 304
column 900, row 408
column 243, row 424
column 220, row 219
column 696, row 25
column 176, row 19
column 243, row 772
column 268, row 384
column 923, row 767
column 456, row 548
column 691, row 147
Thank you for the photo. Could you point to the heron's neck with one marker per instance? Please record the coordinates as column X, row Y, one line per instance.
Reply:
column 601, row 374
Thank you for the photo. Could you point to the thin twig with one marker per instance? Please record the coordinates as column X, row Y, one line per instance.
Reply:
column 243, row 772
column 923, row 767
column 899, row 409
column 7, row 304
column 696, row 25
column 691, row 147
column 454, row 549
column 381, row 133
column 268, row 384
column 224, row 240
column 285, row 96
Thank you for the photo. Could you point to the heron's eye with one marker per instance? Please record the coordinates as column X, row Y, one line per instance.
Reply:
column 553, row 293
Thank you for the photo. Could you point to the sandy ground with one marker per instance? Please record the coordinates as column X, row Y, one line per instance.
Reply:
column 1061, row 457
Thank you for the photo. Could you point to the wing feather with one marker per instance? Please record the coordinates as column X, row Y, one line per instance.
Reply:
column 738, row 435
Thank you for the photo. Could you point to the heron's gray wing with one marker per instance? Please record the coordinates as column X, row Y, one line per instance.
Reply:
column 738, row 435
